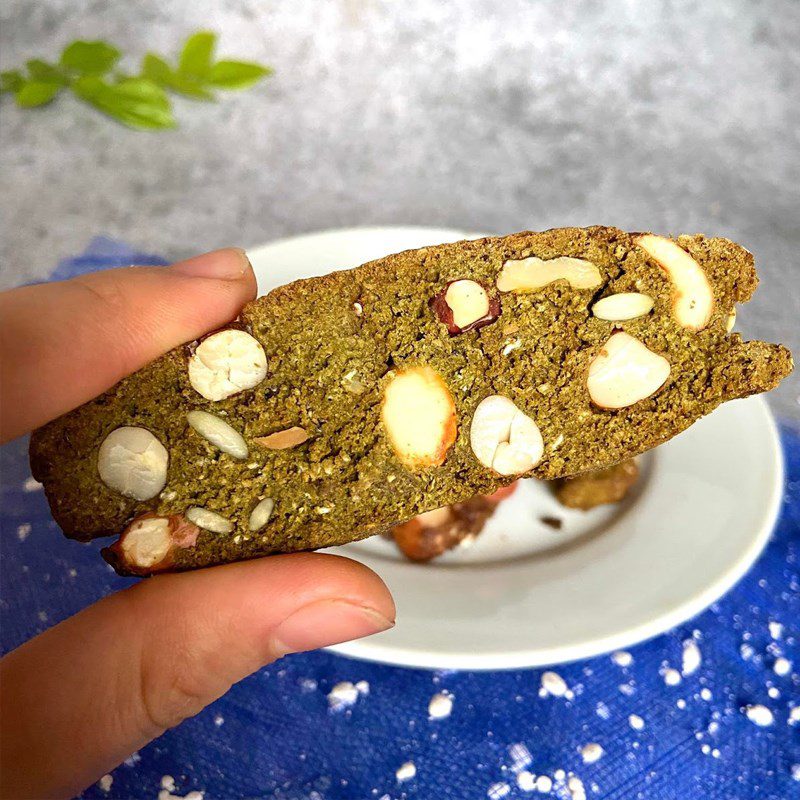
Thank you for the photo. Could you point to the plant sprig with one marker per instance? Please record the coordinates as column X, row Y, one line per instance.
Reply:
column 88, row 70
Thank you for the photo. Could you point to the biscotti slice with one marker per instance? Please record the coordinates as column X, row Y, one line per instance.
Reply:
column 338, row 406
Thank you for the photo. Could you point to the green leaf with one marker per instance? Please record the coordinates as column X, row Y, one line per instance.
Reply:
column 197, row 55
column 35, row 93
column 11, row 80
column 237, row 74
column 90, row 58
column 137, row 102
column 43, row 72
column 159, row 71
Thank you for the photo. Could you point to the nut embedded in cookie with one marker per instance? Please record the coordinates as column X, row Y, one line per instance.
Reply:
column 530, row 274
column 622, row 306
column 693, row 299
column 419, row 417
column 503, row 438
column 133, row 462
column 149, row 543
column 624, row 372
column 226, row 363
column 465, row 305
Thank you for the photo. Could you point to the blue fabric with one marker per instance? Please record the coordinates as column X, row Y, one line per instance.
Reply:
column 274, row 736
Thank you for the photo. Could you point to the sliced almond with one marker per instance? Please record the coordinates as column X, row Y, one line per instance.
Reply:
column 227, row 363
column 260, row 515
column 133, row 462
column 625, row 372
column 209, row 520
column 530, row 274
column 283, row 440
column 503, row 438
column 693, row 300
column 623, row 306
column 419, row 417
column 219, row 433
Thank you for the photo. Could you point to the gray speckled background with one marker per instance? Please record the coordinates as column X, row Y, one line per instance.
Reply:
column 489, row 114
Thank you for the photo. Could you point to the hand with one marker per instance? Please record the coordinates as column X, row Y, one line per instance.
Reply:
column 82, row 696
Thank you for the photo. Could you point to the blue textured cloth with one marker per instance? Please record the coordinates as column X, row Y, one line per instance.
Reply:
column 275, row 736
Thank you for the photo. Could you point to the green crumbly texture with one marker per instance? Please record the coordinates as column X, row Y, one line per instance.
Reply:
column 328, row 366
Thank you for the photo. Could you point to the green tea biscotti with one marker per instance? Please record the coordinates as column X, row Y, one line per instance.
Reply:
column 338, row 406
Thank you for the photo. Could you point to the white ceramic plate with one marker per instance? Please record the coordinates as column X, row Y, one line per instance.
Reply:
column 526, row 595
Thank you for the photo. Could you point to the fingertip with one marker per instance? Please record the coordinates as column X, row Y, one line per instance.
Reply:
column 227, row 264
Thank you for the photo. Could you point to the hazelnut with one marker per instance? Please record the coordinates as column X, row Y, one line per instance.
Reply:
column 133, row 462
column 623, row 306
column 464, row 305
column 530, row 274
column 219, row 433
column 149, row 542
column 693, row 300
column 624, row 372
column 503, row 438
column 283, row 440
column 226, row 363
column 419, row 417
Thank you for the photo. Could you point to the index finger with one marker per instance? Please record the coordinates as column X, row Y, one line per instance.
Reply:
column 64, row 343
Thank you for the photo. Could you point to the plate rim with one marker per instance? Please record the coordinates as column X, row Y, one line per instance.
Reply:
column 374, row 651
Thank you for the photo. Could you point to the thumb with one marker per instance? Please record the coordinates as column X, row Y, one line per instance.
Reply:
column 82, row 696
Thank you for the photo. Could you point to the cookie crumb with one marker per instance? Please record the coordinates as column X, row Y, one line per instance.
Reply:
column 405, row 772
column 32, row 485
column 440, row 706
column 526, row 781
column 105, row 782
column 782, row 666
column 622, row 658
column 591, row 752
column 636, row 722
column 759, row 715
column 23, row 531
column 691, row 657
column 343, row 695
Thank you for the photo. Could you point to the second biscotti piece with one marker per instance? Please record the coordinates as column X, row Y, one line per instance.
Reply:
column 340, row 405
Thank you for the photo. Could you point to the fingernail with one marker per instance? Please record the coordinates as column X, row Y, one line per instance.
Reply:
column 327, row 622
column 229, row 264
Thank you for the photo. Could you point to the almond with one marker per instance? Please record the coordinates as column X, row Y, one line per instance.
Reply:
column 503, row 438
column 530, row 274
column 419, row 417
column 283, row 440
column 625, row 372
column 623, row 306
column 149, row 542
column 693, row 300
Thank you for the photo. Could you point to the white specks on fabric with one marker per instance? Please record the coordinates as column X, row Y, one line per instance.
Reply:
column 219, row 720
column 782, row 666
column 526, row 781
column 795, row 771
column 544, row 784
column 440, row 706
column 363, row 687
column 680, row 703
column 31, row 485
column 747, row 651
column 133, row 759
column 794, row 715
column 622, row 658
column 591, row 752
column 705, row 693
column 498, row 790
column 105, row 782
column 520, row 756
column 691, row 658
column 671, row 676
column 636, row 722
column 774, row 692
column 602, row 710
column 775, row 629
column 405, row 772
column 553, row 685
column 576, row 788
column 23, row 531
column 168, row 783
column 343, row 695
column 759, row 715
column 628, row 689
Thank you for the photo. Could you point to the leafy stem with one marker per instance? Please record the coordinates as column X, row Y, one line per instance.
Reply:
column 88, row 70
